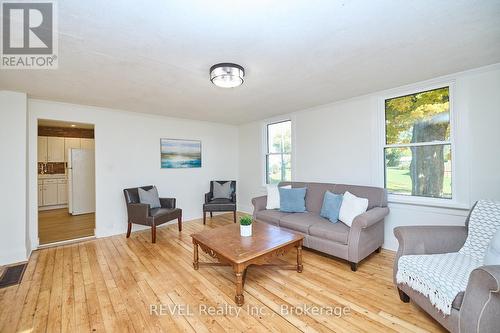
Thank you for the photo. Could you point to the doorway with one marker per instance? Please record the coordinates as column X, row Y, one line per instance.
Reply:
column 66, row 181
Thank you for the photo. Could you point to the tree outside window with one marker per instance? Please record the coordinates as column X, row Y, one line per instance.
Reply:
column 418, row 151
column 279, row 152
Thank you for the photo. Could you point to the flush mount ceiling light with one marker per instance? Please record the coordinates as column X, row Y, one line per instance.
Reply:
column 227, row 75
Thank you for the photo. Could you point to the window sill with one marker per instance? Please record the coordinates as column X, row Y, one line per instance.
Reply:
column 427, row 202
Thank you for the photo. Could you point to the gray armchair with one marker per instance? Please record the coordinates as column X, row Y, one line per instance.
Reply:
column 475, row 310
column 139, row 213
column 220, row 204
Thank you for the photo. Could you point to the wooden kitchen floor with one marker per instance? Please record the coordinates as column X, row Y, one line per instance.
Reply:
column 109, row 284
column 58, row 225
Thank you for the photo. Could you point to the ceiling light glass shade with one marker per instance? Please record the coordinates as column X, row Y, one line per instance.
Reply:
column 227, row 75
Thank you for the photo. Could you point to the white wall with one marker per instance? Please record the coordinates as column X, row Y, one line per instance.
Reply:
column 339, row 143
column 128, row 154
column 13, row 177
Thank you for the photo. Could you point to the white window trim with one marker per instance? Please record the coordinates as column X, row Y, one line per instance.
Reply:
column 263, row 152
column 457, row 197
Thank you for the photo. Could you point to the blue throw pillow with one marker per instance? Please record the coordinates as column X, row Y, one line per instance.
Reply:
column 331, row 206
column 292, row 200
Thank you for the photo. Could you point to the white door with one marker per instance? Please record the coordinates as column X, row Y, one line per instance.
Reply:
column 87, row 143
column 42, row 149
column 62, row 192
column 40, row 195
column 55, row 149
column 82, row 180
column 68, row 144
column 49, row 193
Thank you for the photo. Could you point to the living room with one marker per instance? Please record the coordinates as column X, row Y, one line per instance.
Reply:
column 323, row 96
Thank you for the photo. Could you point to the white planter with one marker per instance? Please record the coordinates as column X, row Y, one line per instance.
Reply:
column 245, row 230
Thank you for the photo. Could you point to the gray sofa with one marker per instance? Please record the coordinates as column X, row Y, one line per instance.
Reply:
column 476, row 310
column 365, row 236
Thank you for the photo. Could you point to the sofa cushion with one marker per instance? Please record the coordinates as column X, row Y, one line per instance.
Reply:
column 331, row 206
column 292, row 200
column 149, row 197
column 315, row 195
column 352, row 206
column 301, row 221
column 337, row 232
column 222, row 190
column 270, row 216
column 273, row 196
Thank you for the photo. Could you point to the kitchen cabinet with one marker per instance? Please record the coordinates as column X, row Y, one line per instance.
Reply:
column 42, row 149
column 87, row 143
column 70, row 143
column 55, row 149
column 62, row 192
column 40, row 195
column 52, row 192
column 49, row 192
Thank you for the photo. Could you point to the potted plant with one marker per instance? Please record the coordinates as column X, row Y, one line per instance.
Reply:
column 246, row 226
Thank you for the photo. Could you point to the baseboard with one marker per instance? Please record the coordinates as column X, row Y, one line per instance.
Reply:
column 44, row 208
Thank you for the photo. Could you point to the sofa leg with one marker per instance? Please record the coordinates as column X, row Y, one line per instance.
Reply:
column 354, row 266
column 379, row 249
column 402, row 295
column 234, row 216
column 129, row 229
column 179, row 223
column 204, row 217
column 211, row 215
column 153, row 234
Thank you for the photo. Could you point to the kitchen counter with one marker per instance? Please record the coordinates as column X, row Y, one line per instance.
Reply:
column 53, row 176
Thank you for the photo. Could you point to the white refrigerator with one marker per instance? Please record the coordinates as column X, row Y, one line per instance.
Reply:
column 81, row 181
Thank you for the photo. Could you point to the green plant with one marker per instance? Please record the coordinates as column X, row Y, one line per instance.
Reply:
column 246, row 220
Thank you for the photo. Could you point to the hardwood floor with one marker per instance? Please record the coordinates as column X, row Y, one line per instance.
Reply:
column 58, row 225
column 108, row 284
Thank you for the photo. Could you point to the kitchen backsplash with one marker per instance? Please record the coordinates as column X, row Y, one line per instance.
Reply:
column 51, row 168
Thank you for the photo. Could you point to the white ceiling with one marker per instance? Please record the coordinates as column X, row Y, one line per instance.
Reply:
column 154, row 56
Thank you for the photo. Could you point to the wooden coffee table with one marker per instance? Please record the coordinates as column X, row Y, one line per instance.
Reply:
column 230, row 249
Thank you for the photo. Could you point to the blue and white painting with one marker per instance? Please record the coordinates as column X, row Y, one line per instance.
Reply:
column 180, row 153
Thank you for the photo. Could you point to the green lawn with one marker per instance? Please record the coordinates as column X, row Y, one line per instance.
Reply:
column 399, row 181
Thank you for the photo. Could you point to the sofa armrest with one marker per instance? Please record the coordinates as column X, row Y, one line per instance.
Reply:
column 137, row 212
column 366, row 234
column 167, row 202
column 259, row 203
column 428, row 240
column 208, row 197
column 233, row 197
column 481, row 304
column 370, row 217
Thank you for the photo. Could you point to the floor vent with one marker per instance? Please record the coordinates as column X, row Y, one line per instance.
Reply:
column 12, row 275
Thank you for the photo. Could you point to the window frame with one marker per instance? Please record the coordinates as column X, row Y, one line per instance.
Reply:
column 412, row 199
column 266, row 148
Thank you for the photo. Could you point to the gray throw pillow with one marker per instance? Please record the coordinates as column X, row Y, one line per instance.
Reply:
column 222, row 191
column 149, row 197
column 492, row 256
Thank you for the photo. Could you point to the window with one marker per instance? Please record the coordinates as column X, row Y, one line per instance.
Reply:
column 418, row 146
column 279, row 152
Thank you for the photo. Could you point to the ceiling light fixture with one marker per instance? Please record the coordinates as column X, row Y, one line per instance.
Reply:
column 227, row 75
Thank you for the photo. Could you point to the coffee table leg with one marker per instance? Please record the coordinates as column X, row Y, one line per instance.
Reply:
column 195, row 256
column 239, row 298
column 299, row 258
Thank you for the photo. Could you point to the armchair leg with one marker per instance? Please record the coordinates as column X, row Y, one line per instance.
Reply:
column 211, row 215
column 153, row 234
column 354, row 266
column 129, row 229
column 403, row 297
column 179, row 222
column 234, row 216
column 204, row 217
